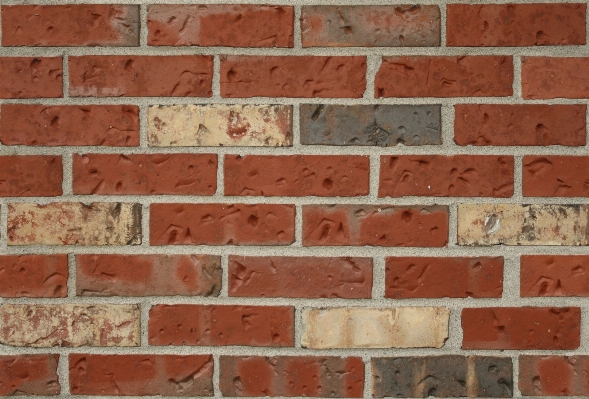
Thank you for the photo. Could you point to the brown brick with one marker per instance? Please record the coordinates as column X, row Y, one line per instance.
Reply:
column 515, row 24
column 29, row 77
column 446, row 176
column 221, row 224
column 232, row 25
column 526, row 328
column 554, row 275
column 292, row 76
column 216, row 325
column 371, row 26
column 309, row 376
column 30, row 176
column 375, row 225
column 519, row 124
column 553, row 375
column 29, row 375
column 297, row 175
column 555, row 176
column 300, row 277
column 141, row 76
column 440, row 277
column 70, row 25
column 445, row 76
column 34, row 276
column 555, row 77
column 141, row 375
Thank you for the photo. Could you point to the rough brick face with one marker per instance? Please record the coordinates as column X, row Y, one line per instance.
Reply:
column 34, row 276
column 29, row 375
column 553, row 375
column 29, row 77
column 548, row 275
column 30, row 176
column 555, row 176
column 555, row 77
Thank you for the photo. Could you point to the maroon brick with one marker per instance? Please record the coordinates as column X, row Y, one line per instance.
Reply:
column 555, row 176
column 554, row 275
column 555, row 77
column 31, row 176
column 553, row 375
column 34, row 276
column 29, row 77
column 29, row 375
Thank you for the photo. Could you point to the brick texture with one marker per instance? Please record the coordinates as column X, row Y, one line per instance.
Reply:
column 34, row 276
column 561, row 275
column 29, row 375
column 555, row 176
column 29, row 77
column 554, row 77
column 30, row 176
column 553, row 375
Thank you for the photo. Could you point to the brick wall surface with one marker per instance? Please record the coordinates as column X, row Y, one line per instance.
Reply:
column 324, row 198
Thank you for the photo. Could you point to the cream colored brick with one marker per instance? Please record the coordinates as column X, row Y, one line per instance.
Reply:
column 220, row 125
column 44, row 326
column 74, row 223
column 516, row 224
column 402, row 327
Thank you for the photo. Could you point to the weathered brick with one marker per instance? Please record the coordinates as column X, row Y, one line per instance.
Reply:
column 554, row 275
column 446, row 176
column 292, row 76
column 376, row 225
column 44, row 326
column 141, row 375
column 31, row 176
column 527, row 328
column 553, row 375
column 445, row 76
column 300, row 277
column 74, row 223
column 215, row 325
column 34, row 276
column 383, row 125
column 555, row 176
column 221, row 224
column 518, row 224
column 442, row 376
column 519, row 124
column 371, row 26
column 141, row 76
column 297, row 175
column 220, row 125
column 29, row 77
column 29, row 375
column 439, row 277
column 515, row 24
column 400, row 327
column 232, row 25
column 142, row 275
column 56, row 125
column 555, row 77
column 70, row 25
column 145, row 174
column 310, row 376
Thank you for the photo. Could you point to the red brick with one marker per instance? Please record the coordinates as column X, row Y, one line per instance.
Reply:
column 31, row 176
column 375, row 225
column 70, row 25
column 555, row 176
column 221, row 224
column 310, row 376
column 554, row 275
column 515, row 24
column 519, row 124
column 34, row 276
column 31, row 124
column 555, row 77
column 440, row 277
column 371, row 26
column 232, row 25
column 291, row 76
column 215, row 325
column 141, row 76
column 442, row 76
column 446, row 176
column 141, row 375
column 145, row 174
column 29, row 77
column 29, row 375
column 554, row 375
column 527, row 328
column 300, row 277
column 143, row 275
column 297, row 175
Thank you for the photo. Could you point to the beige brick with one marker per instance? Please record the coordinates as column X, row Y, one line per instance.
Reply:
column 220, row 125
column 516, row 224
column 74, row 223
column 44, row 326
column 402, row 327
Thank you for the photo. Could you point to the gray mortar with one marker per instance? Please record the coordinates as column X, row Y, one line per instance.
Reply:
column 511, row 254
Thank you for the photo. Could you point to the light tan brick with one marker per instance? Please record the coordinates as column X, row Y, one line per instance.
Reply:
column 401, row 327
column 74, row 223
column 517, row 224
column 220, row 125
column 44, row 326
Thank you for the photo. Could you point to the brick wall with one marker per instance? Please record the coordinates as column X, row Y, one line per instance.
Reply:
column 310, row 198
